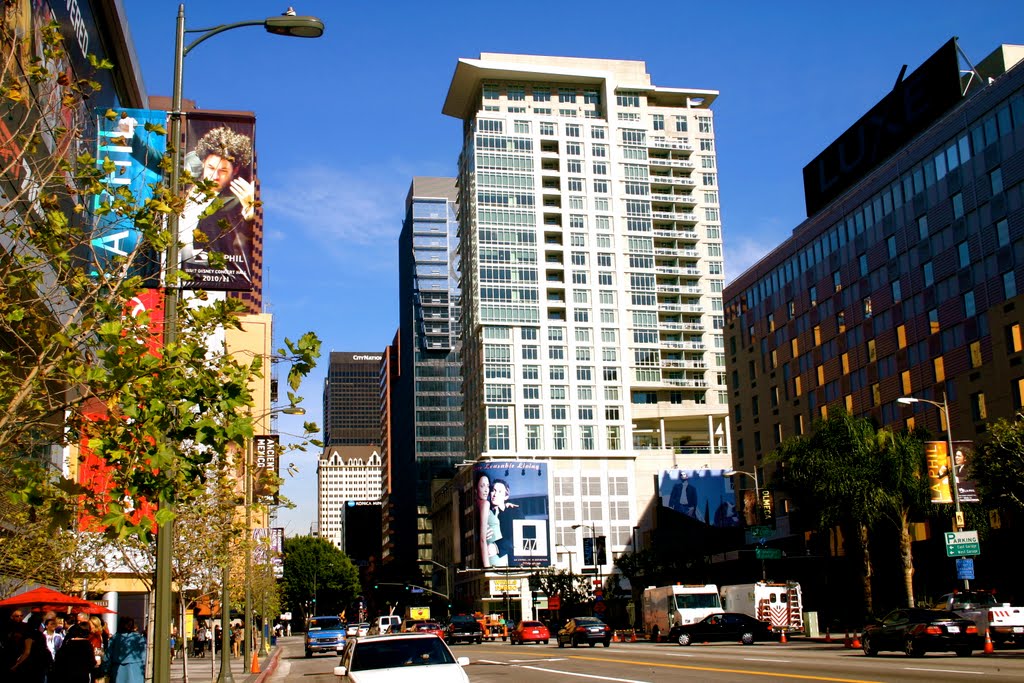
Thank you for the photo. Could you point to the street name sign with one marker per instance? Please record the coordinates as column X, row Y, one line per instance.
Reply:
column 768, row 553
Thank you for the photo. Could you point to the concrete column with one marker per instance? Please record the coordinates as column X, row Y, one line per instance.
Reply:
column 711, row 435
column 525, row 601
column 111, row 619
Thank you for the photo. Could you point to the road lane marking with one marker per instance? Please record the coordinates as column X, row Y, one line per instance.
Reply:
column 579, row 675
column 946, row 671
column 774, row 674
column 766, row 659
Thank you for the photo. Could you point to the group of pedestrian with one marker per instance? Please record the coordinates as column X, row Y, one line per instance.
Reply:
column 49, row 650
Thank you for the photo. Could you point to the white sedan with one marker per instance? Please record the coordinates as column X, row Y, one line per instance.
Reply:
column 422, row 657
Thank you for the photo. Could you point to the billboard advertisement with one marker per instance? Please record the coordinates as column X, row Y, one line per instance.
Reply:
column 266, row 451
column 269, row 547
column 216, row 228
column 937, row 460
column 511, row 513
column 122, row 140
column 705, row 495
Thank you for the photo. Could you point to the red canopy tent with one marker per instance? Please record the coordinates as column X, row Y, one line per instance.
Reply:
column 44, row 598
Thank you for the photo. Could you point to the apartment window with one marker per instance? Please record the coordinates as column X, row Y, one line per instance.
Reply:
column 559, row 434
column 939, row 366
column 964, row 253
column 862, row 261
column 531, row 372
column 969, row 309
column 534, row 437
column 777, row 432
column 975, row 348
column 681, row 124
column 531, row 412
column 897, row 291
column 599, row 150
column 497, row 438
column 933, row 320
column 704, row 124
column 587, row 437
column 594, row 97
column 574, row 166
column 558, row 413
column 876, row 395
column 572, row 130
column 958, row 205
column 709, row 179
column 531, row 393
column 813, row 294
column 614, row 435
column 922, row 227
column 905, row 383
column 516, row 92
column 546, row 128
column 1010, row 284
column 658, row 121
column 837, row 281
column 929, row 274
column 566, row 95
column 901, row 336
column 891, row 246
column 530, row 352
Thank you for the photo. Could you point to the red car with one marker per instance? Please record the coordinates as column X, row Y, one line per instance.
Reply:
column 429, row 627
column 529, row 632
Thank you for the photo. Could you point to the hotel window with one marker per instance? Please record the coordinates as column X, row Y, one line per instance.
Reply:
column 516, row 92
column 1003, row 232
column 541, row 95
column 497, row 438
column 531, row 393
column 587, row 437
column 710, row 179
column 891, row 245
column 978, row 409
column 964, row 253
column 594, row 97
column 531, row 412
column 975, row 348
column 933, row 321
column 614, row 438
column 546, row 127
column 897, row 291
column 872, row 357
column 704, row 124
column 1014, row 339
column 491, row 92
column 922, row 227
column 558, row 413
column 958, row 205
column 901, row 336
column 658, row 121
column 837, row 281
column 572, row 130
column 566, row 95
column 929, row 274
column 939, row 366
column 559, row 434
column 1010, row 284
column 707, row 145
column 996, row 179
column 876, row 395
column 969, row 309
column 906, row 385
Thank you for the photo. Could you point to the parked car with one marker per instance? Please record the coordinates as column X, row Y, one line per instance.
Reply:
column 324, row 634
column 386, row 624
column 463, row 627
column 724, row 626
column 917, row 631
column 354, row 630
column 589, row 630
column 529, row 632
column 421, row 657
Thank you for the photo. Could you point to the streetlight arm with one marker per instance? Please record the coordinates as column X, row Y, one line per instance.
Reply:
column 212, row 31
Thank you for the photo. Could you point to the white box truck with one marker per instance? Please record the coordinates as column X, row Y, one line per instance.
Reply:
column 666, row 606
column 780, row 605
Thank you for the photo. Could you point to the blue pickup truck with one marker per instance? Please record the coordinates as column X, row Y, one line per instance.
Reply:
column 325, row 634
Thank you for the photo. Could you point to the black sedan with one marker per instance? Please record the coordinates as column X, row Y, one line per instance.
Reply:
column 589, row 630
column 724, row 626
column 917, row 631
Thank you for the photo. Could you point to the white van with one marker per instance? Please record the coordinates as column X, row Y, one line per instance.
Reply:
column 388, row 623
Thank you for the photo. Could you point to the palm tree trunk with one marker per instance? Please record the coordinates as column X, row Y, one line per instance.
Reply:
column 907, row 555
column 866, row 573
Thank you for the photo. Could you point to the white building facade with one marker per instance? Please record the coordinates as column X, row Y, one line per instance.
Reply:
column 343, row 474
column 592, row 278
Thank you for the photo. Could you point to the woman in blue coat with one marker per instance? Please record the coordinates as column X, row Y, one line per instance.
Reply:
column 127, row 653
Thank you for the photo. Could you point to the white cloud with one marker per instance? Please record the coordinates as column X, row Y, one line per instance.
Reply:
column 336, row 209
column 741, row 253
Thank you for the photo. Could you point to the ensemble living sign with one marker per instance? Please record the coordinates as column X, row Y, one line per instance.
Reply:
column 912, row 105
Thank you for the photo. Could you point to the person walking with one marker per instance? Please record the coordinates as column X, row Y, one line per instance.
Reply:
column 127, row 653
column 75, row 660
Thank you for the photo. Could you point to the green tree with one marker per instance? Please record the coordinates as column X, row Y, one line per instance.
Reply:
column 574, row 589
column 998, row 464
column 831, row 475
column 314, row 569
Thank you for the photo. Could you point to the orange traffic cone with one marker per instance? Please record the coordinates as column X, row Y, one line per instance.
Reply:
column 615, row 637
column 989, row 648
column 856, row 642
column 782, row 638
column 255, row 668
column 828, row 636
column 633, row 638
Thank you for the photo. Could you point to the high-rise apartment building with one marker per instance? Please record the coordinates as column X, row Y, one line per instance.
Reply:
column 906, row 280
column 345, row 475
column 427, row 396
column 591, row 259
column 351, row 399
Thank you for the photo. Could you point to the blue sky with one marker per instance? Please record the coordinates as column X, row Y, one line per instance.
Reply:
column 345, row 121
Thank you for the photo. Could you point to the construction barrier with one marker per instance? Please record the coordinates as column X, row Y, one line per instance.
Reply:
column 989, row 648
column 856, row 642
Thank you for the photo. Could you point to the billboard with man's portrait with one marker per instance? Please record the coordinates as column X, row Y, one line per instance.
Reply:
column 216, row 230
column 705, row 495
column 511, row 512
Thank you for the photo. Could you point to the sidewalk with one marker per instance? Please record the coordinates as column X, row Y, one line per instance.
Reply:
column 207, row 669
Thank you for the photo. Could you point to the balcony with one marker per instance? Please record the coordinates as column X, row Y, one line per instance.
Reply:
column 677, row 234
column 686, row 364
column 658, row 142
column 687, row 383
column 672, row 180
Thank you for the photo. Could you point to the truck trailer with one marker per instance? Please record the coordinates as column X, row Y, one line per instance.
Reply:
column 780, row 605
column 666, row 606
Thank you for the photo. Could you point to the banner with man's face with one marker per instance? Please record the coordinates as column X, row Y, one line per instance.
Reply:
column 217, row 229
column 511, row 511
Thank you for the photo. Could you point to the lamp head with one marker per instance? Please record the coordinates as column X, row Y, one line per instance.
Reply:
column 730, row 473
column 906, row 400
column 294, row 26
column 294, row 410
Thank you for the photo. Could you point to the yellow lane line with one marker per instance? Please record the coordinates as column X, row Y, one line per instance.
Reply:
column 774, row 674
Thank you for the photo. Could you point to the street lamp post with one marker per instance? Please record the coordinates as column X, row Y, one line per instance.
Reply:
column 757, row 498
column 287, row 25
column 954, row 489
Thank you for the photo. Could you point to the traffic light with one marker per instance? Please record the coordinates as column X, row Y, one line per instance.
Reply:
column 376, row 586
column 408, row 588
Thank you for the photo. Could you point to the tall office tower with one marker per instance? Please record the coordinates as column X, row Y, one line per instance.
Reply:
column 591, row 247
column 427, row 399
column 345, row 475
column 351, row 399
column 905, row 280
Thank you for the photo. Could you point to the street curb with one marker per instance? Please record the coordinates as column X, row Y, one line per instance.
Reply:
column 271, row 665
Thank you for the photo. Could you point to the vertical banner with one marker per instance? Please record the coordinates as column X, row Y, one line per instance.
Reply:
column 936, row 456
column 511, row 513
column 269, row 548
column 136, row 155
column 266, row 448
column 277, row 551
column 216, row 229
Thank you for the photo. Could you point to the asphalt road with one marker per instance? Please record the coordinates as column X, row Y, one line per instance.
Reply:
column 644, row 662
